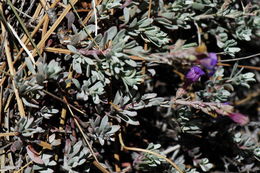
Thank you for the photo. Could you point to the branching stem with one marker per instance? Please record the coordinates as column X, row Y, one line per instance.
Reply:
column 148, row 151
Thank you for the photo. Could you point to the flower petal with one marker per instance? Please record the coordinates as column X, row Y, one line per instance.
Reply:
column 194, row 74
column 239, row 118
column 209, row 62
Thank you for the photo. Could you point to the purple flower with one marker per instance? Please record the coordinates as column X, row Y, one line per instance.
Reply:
column 239, row 118
column 209, row 62
column 194, row 74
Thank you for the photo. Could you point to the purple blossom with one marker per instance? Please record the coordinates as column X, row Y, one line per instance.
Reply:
column 194, row 74
column 209, row 62
column 239, row 118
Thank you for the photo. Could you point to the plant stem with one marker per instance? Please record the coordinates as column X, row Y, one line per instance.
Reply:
column 148, row 151
column 241, row 58
column 86, row 140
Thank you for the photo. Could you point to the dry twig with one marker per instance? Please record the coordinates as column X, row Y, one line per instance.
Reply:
column 148, row 151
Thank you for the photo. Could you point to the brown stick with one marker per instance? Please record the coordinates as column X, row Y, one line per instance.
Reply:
column 68, row 52
column 148, row 151
column 23, row 167
column 148, row 15
column 46, row 22
column 101, row 168
column 34, row 17
column 1, row 104
column 137, row 58
column 37, row 11
column 83, row 10
column 58, row 50
column 61, row 100
column 54, row 26
column 2, row 162
column 247, row 98
column 96, row 163
column 34, row 31
column 64, row 111
column 241, row 66
column 9, row 134
column 12, row 72
column 85, row 21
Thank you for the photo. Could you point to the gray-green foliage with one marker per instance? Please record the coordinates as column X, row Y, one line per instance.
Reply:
column 110, row 79
column 221, row 87
column 28, row 126
column 249, row 142
column 102, row 129
column 124, row 114
column 47, row 167
column 224, row 20
column 111, row 59
column 47, row 112
column 125, row 106
column 105, row 6
column 76, row 154
column 187, row 123
column 147, row 161
column 148, row 32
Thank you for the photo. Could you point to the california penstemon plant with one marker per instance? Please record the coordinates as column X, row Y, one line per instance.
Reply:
column 129, row 86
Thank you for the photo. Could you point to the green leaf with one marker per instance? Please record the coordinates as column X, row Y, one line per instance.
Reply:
column 198, row 6
column 126, row 15
column 72, row 48
column 29, row 104
column 30, row 65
